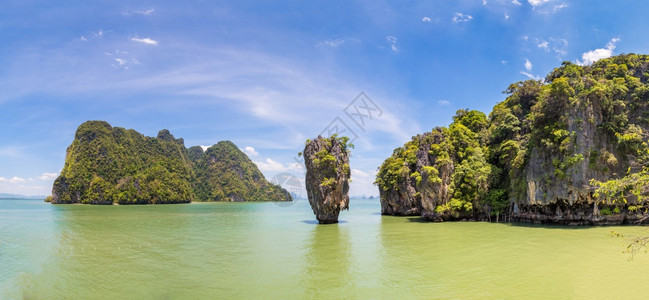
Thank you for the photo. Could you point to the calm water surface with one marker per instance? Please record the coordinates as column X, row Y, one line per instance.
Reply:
column 262, row 250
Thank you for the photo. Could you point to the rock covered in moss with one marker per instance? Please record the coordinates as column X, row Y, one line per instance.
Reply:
column 106, row 165
column 572, row 149
column 327, row 177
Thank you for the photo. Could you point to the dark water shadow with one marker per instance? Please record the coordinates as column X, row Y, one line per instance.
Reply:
column 318, row 223
column 563, row 226
column 417, row 220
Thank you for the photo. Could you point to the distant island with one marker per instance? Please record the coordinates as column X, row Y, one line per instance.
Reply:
column 107, row 165
column 570, row 150
column 17, row 196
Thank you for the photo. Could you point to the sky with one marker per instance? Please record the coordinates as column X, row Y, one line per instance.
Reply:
column 267, row 75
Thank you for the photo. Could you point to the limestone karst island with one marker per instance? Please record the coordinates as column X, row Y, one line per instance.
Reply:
column 358, row 149
column 106, row 165
column 570, row 150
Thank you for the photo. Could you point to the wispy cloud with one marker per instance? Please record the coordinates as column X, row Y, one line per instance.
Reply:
column 515, row 2
column 250, row 151
column 531, row 76
column 48, row 176
column 594, row 55
column 147, row 41
column 362, row 182
column 559, row 7
column 536, row 3
column 331, row 43
column 460, row 17
column 12, row 151
column 444, row 102
column 147, row 12
column 13, row 180
column 270, row 165
column 426, row 20
column 528, row 64
column 543, row 45
column 393, row 43
column 506, row 16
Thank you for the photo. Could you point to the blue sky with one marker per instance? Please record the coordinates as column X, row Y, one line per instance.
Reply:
column 268, row 76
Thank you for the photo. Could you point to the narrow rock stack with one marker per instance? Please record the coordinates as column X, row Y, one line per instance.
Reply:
column 327, row 176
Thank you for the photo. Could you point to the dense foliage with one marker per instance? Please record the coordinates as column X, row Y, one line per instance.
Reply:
column 223, row 172
column 581, row 121
column 106, row 165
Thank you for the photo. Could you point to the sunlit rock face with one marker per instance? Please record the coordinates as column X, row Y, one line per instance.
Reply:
column 327, row 177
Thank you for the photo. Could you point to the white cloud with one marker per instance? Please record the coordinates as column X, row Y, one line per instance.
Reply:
column 204, row 147
column 516, row 2
column 48, row 176
column 484, row 2
column 147, row 41
column 524, row 38
column 363, row 183
column 360, row 173
column 444, row 102
column 270, row 165
column 504, row 62
column 393, row 42
column 120, row 61
column 147, row 12
column 426, row 19
column 528, row 64
column 250, row 151
column 14, row 180
column 530, row 75
column 506, row 16
column 83, row 39
column 460, row 17
column 594, row 55
column 559, row 7
column 536, row 3
column 543, row 45
column 99, row 33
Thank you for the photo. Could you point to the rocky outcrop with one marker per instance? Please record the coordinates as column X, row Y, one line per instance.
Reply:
column 427, row 183
column 570, row 150
column 106, row 165
column 327, row 177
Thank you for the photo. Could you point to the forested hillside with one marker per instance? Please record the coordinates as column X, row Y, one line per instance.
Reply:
column 570, row 149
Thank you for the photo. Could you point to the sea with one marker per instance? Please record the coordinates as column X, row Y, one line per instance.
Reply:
column 274, row 250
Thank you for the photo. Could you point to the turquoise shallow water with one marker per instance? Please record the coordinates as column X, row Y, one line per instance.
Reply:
column 262, row 250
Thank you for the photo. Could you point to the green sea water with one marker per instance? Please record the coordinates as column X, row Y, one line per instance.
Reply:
column 262, row 250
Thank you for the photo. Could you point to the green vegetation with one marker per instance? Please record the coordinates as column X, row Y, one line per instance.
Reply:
column 224, row 173
column 325, row 163
column 592, row 118
column 106, row 165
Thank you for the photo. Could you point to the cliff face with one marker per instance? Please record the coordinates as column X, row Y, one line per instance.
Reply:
column 570, row 150
column 327, row 177
column 106, row 165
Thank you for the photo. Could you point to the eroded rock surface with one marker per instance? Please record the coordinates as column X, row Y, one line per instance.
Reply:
column 327, row 177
